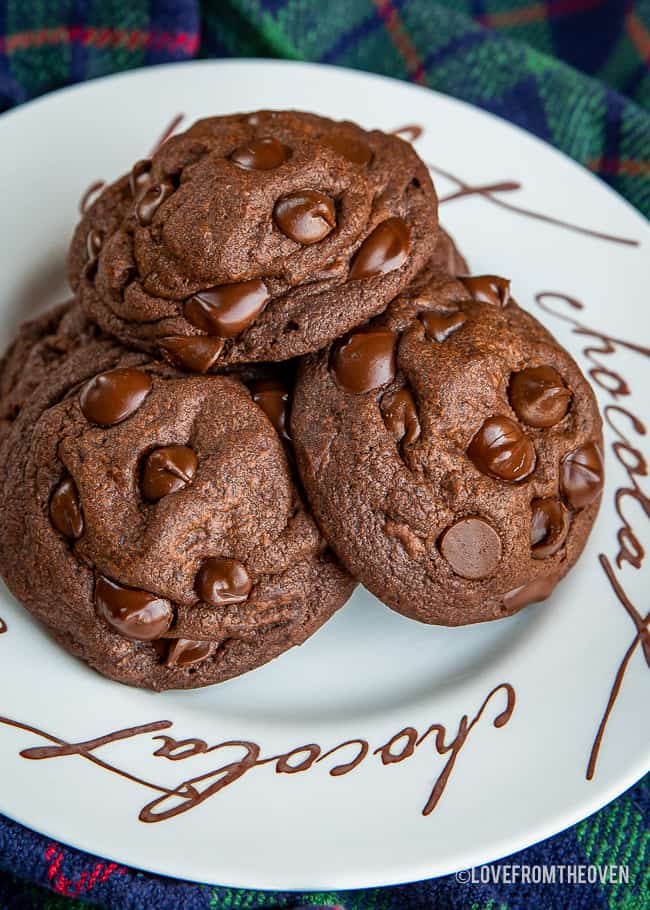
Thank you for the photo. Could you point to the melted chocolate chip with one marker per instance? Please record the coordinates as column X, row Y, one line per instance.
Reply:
column 471, row 547
column 112, row 397
column 167, row 470
column 306, row 216
column 529, row 593
column 355, row 150
column 439, row 326
column 401, row 416
column 260, row 155
column 502, row 449
column 365, row 361
column 134, row 614
column 337, row 268
column 226, row 310
column 549, row 526
column 94, row 242
column 223, row 581
column 90, row 269
column 140, row 177
column 581, row 475
column 384, row 250
column 487, row 288
column 538, row 396
column 65, row 511
column 151, row 200
column 184, row 652
column 195, row 353
column 275, row 400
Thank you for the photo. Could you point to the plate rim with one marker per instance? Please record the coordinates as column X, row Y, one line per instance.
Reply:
column 581, row 808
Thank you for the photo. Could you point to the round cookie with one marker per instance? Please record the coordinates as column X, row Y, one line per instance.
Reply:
column 451, row 452
column 254, row 237
column 152, row 520
column 39, row 346
column 447, row 257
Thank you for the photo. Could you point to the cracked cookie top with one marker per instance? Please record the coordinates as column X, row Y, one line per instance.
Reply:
column 254, row 237
column 152, row 520
column 451, row 450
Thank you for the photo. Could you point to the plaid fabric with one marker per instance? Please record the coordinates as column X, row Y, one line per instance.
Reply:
column 518, row 59
column 576, row 73
column 617, row 835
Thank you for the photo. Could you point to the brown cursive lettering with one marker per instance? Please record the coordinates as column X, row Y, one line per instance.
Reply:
column 643, row 637
column 630, row 550
column 193, row 791
column 340, row 770
column 169, row 131
column 465, row 727
column 489, row 191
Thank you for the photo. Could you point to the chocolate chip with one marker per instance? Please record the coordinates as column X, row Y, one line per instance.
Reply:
column 167, row 470
column 151, row 200
column 140, row 177
column 487, row 288
column 400, row 416
column 384, row 250
column 65, row 511
column 275, row 400
column 260, row 155
column 529, row 593
column 134, row 614
column 94, row 242
column 439, row 326
column 184, row 652
column 501, row 448
column 223, row 581
column 355, row 150
column 195, row 353
column 226, row 310
column 110, row 398
column 471, row 547
column 365, row 361
column 581, row 475
column 549, row 526
column 306, row 216
column 539, row 396
column 90, row 269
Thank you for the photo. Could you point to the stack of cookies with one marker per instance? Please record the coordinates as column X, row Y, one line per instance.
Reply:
column 275, row 380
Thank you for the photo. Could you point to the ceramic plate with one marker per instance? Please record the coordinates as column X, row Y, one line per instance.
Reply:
column 381, row 751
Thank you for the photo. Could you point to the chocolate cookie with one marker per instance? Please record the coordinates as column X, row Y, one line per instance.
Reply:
column 451, row 451
column 40, row 345
column 447, row 257
column 152, row 521
column 254, row 237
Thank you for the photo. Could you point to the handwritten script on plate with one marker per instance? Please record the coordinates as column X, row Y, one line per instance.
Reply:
column 242, row 757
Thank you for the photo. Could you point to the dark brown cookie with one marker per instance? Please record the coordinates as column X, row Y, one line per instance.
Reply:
column 447, row 257
column 254, row 237
column 451, row 451
column 152, row 519
column 40, row 346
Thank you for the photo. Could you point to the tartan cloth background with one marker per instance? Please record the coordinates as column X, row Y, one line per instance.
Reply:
column 574, row 72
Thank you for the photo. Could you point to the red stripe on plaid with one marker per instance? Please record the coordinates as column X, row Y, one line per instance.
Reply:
column 639, row 36
column 398, row 35
column 131, row 40
column 626, row 167
column 84, row 882
column 537, row 11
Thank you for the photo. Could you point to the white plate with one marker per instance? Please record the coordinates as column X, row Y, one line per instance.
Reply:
column 369, row 674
